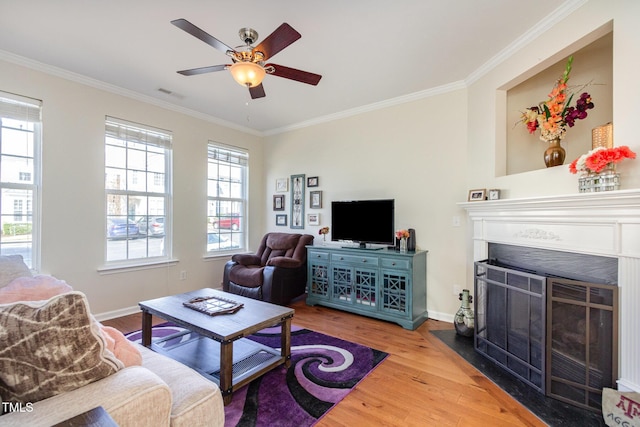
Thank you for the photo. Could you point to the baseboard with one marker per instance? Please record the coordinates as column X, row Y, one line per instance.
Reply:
column 117, row 313
column 443, row 317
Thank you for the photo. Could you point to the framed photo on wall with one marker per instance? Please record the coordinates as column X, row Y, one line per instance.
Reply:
column 278, row 202
column 315, row 199
column 477, row 195
column 312, row 181
column 282, row 185
column 313, row 219
column 297, row 201
column 281, row 219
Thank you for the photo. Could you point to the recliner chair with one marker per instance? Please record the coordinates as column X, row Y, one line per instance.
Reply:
column 276, row 273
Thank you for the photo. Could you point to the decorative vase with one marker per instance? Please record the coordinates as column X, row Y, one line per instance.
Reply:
column 403, row 245
column 606, row 180
column 411, row 240
column 554, row 155
column 463, row 320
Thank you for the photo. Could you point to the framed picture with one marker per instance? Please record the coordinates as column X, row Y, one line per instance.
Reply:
column 477, row 195
column 278, row 202
column 315, row 199
column 282, row 185
column 313, row 219
column 281, row 219
column 312, row 181
column 297, row 201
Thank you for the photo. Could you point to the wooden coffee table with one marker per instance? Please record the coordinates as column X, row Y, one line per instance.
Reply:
column 218, row 349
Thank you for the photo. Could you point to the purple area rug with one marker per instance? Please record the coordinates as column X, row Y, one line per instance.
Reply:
column 323, row 370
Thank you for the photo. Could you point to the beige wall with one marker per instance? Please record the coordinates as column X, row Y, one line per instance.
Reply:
column 414, row 153
column 425, row 154
column 487, row 141
column 73, row 202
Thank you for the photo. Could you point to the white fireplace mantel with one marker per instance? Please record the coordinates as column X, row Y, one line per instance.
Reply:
column 604, row 224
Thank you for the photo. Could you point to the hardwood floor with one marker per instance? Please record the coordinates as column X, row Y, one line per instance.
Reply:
column 421, row 383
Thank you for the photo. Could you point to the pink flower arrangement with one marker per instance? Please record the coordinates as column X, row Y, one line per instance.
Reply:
column 554, row 115
column 599, row 158
column 402, row 234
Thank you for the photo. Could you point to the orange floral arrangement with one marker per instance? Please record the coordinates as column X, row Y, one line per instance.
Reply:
column 554, row 115
column 599, row 158
column 402, row 234
column 323, row 230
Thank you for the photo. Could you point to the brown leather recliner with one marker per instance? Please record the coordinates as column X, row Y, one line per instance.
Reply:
column 276, row 273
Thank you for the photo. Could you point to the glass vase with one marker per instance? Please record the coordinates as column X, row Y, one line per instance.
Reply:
column 606, row 180
column 403, row 245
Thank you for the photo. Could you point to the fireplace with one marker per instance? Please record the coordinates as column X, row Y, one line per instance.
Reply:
column 559, row 335
column 599, row 235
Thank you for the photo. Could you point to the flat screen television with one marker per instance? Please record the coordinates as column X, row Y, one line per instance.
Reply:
column 363, row 221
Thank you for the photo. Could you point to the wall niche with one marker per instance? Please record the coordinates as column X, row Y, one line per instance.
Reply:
column 592, row 72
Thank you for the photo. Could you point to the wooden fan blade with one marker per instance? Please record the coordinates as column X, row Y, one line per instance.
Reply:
column 293, row 74
column 202, row 70
column 196, row 32
column 257, row 91
column 282, row 37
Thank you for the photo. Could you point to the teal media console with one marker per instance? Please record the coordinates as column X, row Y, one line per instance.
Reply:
column 384, row 283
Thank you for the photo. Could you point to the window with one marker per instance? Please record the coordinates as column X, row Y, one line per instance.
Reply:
column 138, row 192
column 20, row 142
column 226, row 198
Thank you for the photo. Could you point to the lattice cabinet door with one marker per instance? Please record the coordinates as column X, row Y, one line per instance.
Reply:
column 394, row 292
column 364, row 288
column 341, row 287
column 318, row 280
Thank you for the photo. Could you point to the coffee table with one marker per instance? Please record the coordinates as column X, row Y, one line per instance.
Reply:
column 216, row 346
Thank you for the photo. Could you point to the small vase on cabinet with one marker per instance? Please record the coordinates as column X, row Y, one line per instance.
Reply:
column 403, row 245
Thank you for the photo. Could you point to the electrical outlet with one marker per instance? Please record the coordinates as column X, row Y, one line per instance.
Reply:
column 183, row 275
column 456, row 221
column 457, row 290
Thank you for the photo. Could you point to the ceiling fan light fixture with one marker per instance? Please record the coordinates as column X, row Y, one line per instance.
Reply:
column 248, row 74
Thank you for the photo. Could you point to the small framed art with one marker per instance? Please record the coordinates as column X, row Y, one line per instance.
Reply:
column 477, row 195
column 282, row 185
column 297, row 200
column 278, row 202
column 281, row 219
column 312, row 181
column 315, row 199
column 494, row 194
column 313, row 219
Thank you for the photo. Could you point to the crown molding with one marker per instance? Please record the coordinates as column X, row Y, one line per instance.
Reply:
column 97, row 84
column 450, row 87
column 565, row 9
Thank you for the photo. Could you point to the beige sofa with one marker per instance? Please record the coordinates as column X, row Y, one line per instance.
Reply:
column 161, row 392
column 152, row 391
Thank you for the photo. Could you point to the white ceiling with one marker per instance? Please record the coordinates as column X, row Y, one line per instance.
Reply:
column 369, row 52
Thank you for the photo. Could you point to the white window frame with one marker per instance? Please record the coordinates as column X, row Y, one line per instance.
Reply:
column 150, row 137
column 16, row 107
column 225, row 156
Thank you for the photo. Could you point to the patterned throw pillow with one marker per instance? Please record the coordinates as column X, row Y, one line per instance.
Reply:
column 52, row 346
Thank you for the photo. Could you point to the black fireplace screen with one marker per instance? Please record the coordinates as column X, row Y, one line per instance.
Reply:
column 510, row 318
column 582, row 347
column 557, row 335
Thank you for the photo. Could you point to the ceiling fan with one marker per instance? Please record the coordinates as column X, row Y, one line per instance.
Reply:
column 248, row 67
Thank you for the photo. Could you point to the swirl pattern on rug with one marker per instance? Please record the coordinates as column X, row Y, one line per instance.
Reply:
column 323, row 370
